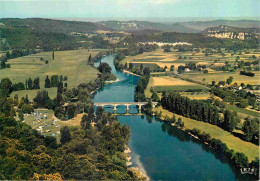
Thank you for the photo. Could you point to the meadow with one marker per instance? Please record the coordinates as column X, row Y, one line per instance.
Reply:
column 50, row 124
column 72, row 64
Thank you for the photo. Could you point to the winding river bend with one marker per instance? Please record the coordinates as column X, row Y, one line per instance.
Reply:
column 161, row 151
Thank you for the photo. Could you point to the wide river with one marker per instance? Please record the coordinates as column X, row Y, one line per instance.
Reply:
column 161, row 151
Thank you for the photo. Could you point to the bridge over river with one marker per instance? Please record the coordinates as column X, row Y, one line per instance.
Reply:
column 127, row 104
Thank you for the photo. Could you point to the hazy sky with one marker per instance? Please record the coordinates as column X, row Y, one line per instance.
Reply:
column 129, row 8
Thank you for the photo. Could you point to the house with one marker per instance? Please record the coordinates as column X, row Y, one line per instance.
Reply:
column 186, row 69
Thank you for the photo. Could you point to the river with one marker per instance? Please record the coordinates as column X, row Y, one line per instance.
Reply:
column 161, row 151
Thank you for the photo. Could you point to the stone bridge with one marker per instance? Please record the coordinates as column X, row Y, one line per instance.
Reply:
column 127, row 104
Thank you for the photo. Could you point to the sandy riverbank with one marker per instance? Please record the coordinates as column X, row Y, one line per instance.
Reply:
column 128, row 72
column 141, row 175
column 112, row 81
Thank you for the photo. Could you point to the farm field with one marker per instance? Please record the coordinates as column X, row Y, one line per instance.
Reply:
column 232, row 142
column 176, row 58
column 168, row 83
column 72, row 64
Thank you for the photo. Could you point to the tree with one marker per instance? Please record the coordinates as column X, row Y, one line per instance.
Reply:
column 3, row 64
column 155, row 97
column 60, row 88
column 36, row 83
column 85, row 122
column 243, row 103
column 41, row 99
column 230, row 120
column 52, row 54
column 104, row 68
column 229, row 80
column 20, row 115
column 71, row 111
column 5, row 87
column 65, row 135
column 54, row 81
column 213, row 83
column 146, row 71
column 27, row 108
column 47, row 82
column 173, row 120
column 30, row 84
column 250, row 128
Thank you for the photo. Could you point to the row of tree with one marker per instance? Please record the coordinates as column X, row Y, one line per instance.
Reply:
column 142, row 84
column 54, row 81
column 199, row 110
column 250, row 74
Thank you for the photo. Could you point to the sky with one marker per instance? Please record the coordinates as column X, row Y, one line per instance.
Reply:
column 129, row 8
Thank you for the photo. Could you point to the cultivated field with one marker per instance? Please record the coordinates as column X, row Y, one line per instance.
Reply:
column 168, row 83
column 72, row 64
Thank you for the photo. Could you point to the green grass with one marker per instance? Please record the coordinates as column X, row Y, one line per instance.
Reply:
column 244, row 111
column 32, row 93
column 48, row 122
column 72, row 64
column 179, row 88
column 249, row 149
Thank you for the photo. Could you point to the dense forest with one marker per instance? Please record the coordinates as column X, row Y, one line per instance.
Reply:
column 92, row 151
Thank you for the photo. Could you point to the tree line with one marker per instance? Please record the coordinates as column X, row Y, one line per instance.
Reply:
column 199, row 110
column 142, row 84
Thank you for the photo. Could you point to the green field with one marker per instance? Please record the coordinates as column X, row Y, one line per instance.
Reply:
column 243, row 111
column 72, row 64
column 249, row 149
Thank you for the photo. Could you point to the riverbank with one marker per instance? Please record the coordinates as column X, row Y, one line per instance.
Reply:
column 112, row 81
column 232, row 142
column 128, row 72
column 141, row 175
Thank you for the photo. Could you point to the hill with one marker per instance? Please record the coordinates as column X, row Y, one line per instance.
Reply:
column 184, row 27
column 232, row 32
column 54, row 26
column 198, row 26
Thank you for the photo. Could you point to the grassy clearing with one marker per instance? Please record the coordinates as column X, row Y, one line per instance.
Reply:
column 249, row 149
column 72, row 64
column 243, row 111
column 196, row 95
column 32, row 93
column 51, row 125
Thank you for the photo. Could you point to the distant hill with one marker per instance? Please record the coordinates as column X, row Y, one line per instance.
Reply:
column 202, row 25
column 232, row 32
column 184, row 27
column 54, row 26
column 131, row 26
